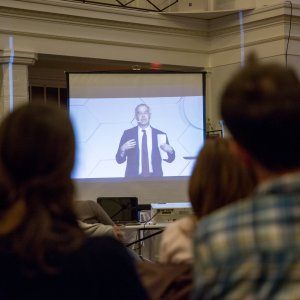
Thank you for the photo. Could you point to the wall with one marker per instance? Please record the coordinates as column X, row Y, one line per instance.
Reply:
column 58, row 28
column 58, row 31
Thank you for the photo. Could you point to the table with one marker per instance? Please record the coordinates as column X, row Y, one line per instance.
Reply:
column 142, row 236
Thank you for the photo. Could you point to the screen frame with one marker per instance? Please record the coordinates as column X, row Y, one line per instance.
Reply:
column 124, row 179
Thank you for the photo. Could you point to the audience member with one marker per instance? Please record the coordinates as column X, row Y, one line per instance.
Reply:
column 251, row 249
column 89, row 211
column 94, row 221
column 219, row 178
column 43, row 252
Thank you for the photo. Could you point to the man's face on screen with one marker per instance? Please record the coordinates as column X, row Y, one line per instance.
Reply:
column 142, row 116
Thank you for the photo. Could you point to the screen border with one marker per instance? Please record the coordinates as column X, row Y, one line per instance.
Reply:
column 122, row 179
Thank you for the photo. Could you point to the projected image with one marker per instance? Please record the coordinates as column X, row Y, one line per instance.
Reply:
column 136, row 137
column 143, row 147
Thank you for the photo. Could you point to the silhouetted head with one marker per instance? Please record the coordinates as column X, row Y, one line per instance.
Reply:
column 219, row 177
column 36, row 140
column 261, row 107
column 37, row 150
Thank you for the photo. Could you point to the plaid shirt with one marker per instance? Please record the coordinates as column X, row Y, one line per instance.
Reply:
column 251, row 249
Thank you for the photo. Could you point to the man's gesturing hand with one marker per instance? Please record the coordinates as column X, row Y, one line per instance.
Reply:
column 167, row 148
column 128, row 145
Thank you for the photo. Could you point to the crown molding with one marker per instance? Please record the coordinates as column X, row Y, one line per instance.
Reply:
column 165, row 41
column 78, row 29
column 87, row 14
column 264, row 16
column 106, row 42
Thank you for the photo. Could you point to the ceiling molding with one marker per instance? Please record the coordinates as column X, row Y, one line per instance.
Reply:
column 83, row 13
column 104, row 42
column 166, row 37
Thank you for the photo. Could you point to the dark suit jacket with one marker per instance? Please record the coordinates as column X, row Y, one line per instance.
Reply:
column 132, row 155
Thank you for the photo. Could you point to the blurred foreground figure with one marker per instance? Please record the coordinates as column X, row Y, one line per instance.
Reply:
column 219, row 178
column 251, row 249
column 43, row 252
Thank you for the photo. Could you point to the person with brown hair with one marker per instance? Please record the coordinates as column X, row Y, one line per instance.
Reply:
column 43, row 252
column 219, row 177
column 251, row 249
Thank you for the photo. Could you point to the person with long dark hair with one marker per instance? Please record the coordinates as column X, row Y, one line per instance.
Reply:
column 43, row 252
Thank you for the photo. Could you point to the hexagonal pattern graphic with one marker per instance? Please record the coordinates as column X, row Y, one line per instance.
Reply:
column 100, row 123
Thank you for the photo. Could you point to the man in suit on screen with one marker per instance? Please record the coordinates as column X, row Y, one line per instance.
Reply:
column 144, row 147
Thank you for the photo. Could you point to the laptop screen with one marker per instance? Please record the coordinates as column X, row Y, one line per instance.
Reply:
column 120, row 209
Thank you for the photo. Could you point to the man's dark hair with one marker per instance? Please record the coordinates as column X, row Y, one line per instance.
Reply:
column 261, row 108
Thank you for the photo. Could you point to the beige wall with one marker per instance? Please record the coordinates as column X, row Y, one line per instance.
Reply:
column 220, row 75
column 56, row 29
column 87, row 37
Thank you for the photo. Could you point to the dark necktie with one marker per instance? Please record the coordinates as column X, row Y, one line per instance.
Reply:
column 145, row 159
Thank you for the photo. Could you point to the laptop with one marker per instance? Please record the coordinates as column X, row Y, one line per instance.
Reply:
column 122, row 210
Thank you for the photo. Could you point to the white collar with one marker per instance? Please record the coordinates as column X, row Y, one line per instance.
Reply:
column 147, row 129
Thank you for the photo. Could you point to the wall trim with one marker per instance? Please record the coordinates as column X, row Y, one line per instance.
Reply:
column 19, row 57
